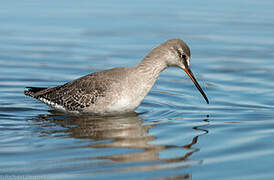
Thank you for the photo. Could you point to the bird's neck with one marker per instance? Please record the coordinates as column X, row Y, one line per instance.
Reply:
column 151, row 66
column 144, row 76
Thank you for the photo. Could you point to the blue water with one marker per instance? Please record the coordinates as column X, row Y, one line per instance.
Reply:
column 175, row 134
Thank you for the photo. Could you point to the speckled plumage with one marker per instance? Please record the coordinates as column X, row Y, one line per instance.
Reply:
column 117, row 90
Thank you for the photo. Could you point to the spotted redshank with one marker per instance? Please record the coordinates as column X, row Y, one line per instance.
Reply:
column 119, row 90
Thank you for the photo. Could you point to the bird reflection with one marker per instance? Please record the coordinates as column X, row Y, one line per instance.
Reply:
column 121, row 132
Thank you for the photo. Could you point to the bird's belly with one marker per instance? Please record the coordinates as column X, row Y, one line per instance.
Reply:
column 123, row 104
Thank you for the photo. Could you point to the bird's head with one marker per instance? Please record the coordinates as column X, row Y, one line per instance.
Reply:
column 176, row 53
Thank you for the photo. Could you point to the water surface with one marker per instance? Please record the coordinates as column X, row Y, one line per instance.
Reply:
column 174, row 133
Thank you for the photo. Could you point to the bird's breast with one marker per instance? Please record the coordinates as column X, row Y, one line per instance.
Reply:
column 128, row 99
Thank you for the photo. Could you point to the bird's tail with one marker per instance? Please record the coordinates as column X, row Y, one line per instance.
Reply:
column 32, row 90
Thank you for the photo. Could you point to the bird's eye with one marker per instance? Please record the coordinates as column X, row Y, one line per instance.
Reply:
column 183, row 56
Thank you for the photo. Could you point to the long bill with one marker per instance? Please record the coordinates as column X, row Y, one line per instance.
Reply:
column 190, row 74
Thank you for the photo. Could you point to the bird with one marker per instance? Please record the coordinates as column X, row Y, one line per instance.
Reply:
column 118, row 90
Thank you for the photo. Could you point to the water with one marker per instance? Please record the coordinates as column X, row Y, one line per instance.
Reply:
column 175, row 134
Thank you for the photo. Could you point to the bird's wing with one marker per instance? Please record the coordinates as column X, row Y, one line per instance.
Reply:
column 77, row 94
